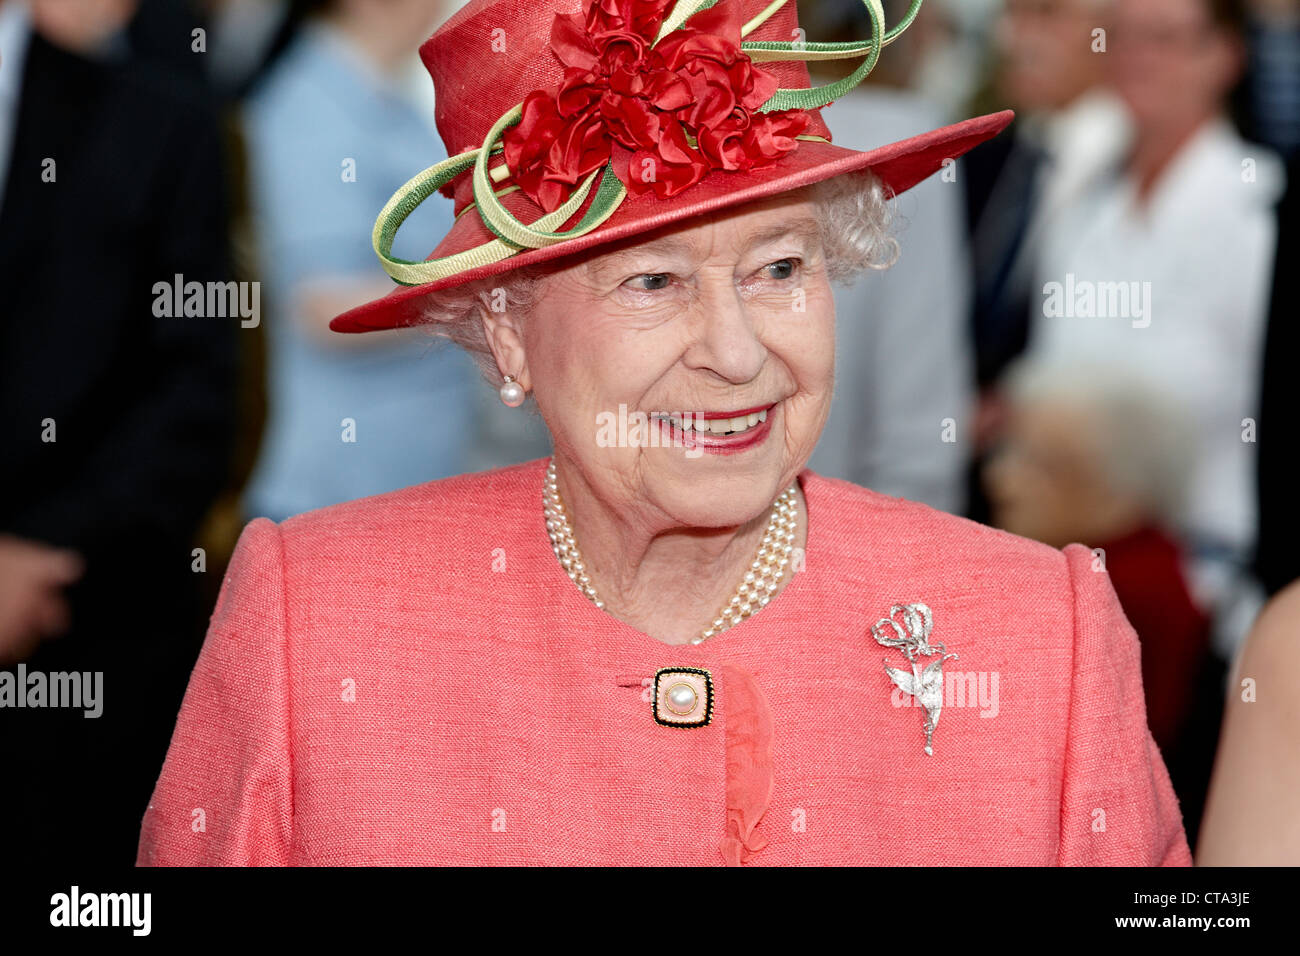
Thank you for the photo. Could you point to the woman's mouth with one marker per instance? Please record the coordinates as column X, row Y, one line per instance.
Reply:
column 719, row 432
column 717, row 423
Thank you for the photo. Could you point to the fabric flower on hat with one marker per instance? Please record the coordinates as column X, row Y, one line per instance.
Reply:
column 681, row 108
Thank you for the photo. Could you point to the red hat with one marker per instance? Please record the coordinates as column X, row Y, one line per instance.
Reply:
column 572, row 123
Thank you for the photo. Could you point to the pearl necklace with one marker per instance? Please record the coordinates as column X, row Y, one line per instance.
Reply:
column 761, row 580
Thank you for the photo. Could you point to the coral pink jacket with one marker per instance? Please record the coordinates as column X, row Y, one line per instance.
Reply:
column 412, row 678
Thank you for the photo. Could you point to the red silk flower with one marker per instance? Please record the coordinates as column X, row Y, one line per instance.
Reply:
column 682, row 108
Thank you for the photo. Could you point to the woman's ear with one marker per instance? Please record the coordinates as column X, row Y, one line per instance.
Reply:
column 504, row 333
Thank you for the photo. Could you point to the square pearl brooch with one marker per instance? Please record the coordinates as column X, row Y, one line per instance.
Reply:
column 683, row 697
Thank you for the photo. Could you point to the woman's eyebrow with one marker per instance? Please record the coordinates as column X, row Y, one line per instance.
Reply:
column 805, row 229
column 612, row 260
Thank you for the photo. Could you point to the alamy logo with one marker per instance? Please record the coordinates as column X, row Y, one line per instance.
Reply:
column 209, row 300
column 1083, row 299
column 77, row 690
column 973, row 689
column 103, row 909
column 638, row 429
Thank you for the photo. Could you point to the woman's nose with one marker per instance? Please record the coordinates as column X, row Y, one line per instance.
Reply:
column 726, row 335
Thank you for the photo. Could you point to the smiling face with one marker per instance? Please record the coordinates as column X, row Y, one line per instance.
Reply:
column 728, row 317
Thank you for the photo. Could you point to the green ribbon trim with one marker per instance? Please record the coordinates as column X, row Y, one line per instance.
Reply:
column 609, row 194
column 819, row 96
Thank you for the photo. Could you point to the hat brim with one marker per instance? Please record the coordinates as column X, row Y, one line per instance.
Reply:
column 899, row 165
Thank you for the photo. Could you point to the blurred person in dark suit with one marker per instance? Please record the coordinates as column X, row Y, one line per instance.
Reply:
column 1071, row 130
column 1088, row 455
column 116, row 418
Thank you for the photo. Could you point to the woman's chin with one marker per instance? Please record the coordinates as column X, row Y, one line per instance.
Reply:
column 709, row 498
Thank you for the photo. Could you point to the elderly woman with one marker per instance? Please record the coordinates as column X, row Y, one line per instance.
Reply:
column 670, row 643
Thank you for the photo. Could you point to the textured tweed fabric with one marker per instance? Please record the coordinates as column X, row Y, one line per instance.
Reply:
column 412, row 678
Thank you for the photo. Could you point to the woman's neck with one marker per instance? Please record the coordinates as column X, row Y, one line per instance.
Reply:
column 669, row 582
column 1158, row 147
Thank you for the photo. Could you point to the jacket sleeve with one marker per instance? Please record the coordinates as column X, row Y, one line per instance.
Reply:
column 1118, row 806
column 225, row 794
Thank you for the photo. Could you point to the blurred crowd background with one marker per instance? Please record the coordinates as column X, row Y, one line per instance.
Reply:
column 1087, row 336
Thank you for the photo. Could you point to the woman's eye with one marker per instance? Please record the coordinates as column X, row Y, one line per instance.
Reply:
column 649, row 282
column 782, row 268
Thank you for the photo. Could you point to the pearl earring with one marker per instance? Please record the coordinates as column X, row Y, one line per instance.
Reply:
column 512, row 393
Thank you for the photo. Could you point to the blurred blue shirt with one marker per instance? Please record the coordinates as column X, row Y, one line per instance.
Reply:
column 322, row 109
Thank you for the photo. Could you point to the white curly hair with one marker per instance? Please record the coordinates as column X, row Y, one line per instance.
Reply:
column 857, row 218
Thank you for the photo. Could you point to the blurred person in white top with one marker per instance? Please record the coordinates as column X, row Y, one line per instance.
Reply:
column 1051, row 67
column 1163, row 270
